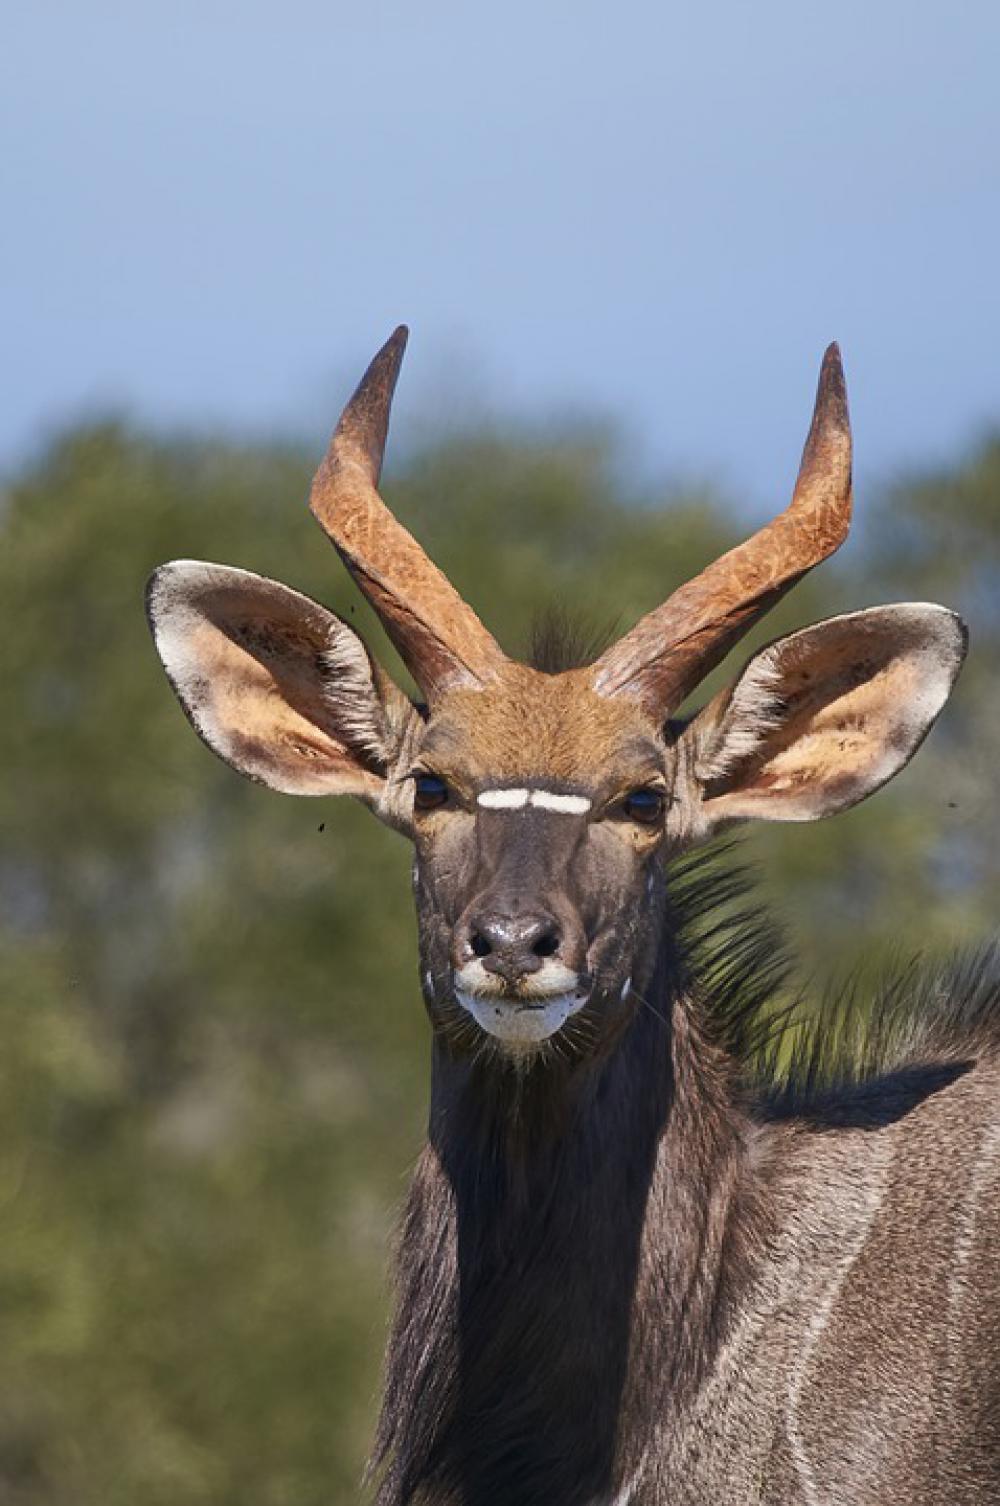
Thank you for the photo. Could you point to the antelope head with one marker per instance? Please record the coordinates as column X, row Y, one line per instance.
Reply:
column 542, row 806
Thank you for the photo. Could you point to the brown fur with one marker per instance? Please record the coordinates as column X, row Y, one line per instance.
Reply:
column 531, row 725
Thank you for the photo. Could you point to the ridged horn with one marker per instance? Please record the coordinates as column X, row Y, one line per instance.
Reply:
column 674, row 647
column 439, row 637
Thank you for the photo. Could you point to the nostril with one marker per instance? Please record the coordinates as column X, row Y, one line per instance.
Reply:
column 479, row 944
column 546, row 945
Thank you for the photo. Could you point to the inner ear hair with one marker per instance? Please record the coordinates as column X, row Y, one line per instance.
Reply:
column 739, row 723
column 824, row 717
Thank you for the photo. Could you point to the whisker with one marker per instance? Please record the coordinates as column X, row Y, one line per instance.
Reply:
column 647, row 1005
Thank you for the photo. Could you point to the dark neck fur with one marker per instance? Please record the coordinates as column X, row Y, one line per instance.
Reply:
column 565, row 1266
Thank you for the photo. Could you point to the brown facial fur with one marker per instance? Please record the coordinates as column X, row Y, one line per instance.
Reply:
column 528, row 725
column 582, row 872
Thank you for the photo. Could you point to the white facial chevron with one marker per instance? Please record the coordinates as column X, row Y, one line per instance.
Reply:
column 546, row 800
column 503, row 800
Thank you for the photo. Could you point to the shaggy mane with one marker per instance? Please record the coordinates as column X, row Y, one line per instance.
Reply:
column 923, row 1023
column 564, row 638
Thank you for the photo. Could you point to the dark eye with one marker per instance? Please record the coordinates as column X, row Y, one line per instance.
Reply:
column 429, row 792
column 644, row 806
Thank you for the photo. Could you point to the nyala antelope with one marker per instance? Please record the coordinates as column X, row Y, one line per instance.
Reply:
column 629, row 1271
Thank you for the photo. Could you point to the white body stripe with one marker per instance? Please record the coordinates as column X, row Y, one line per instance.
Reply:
column 814, row 1493
column 546, row 800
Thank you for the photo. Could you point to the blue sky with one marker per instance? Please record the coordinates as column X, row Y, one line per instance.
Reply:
column 214, row 212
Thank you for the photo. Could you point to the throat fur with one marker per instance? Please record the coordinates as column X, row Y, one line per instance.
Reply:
column 557, row 1247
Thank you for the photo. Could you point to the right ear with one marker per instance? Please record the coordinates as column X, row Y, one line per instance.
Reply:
column 280, row 688
column 821, row 719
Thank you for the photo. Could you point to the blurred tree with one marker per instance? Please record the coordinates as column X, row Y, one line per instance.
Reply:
column 213, row 1074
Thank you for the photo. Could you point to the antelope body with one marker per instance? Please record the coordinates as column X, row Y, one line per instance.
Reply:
column 624, row 1274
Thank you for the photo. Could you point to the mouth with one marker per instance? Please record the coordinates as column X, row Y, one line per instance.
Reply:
column 521, row 1021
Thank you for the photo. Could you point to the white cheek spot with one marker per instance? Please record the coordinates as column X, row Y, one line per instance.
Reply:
column 625, row 988
column 503, row 800
column 428, row 982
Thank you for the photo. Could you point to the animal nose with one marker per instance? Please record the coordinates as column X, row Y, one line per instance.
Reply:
column 512, row 946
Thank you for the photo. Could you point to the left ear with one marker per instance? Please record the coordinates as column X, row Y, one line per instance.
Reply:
column 821, row 719
column 280, row 688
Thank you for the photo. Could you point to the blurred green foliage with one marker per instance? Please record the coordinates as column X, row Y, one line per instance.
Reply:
column 214, row 1056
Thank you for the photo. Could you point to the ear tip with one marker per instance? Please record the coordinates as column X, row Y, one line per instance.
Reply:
column 960, row 631
column 158, row 585
column 176, row 570
column 951, row 639
column 184, row 584
column 937, row 626
column 947, row 616
column 953, row 636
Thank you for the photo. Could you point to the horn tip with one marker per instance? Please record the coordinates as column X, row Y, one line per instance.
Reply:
column 396, row 343
column 386, row 364
column 831, row 398
column 827, row 452
column 831, row 423
column 361, row 432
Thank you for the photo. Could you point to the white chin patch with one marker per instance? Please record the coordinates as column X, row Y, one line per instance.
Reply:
column 519, row 1022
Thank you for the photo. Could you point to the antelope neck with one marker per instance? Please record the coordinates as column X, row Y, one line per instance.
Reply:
column 564, row 1237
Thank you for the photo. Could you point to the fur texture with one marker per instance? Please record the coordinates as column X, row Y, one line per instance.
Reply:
column 667, row 1256
column 601, row 1289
